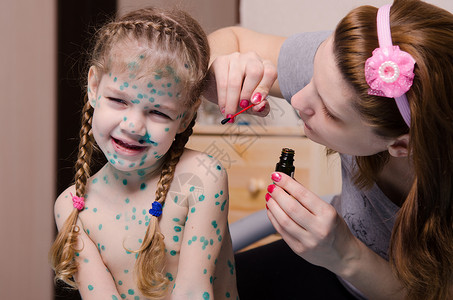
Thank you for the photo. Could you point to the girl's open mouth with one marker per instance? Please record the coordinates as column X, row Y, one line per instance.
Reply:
column 127, row 149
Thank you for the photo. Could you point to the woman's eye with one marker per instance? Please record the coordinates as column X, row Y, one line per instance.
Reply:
column 328, row 114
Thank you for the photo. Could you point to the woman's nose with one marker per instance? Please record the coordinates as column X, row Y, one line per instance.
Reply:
column 302, row 101
column 134, row 123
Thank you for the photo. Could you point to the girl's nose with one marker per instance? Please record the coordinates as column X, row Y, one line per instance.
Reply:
column 134, row 123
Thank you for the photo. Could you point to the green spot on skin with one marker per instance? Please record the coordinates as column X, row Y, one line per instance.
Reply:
column 130, row 291
column 95, row 180
column 150, row 85
column 216, row 196
column 177, row 229
column 223, row 205
column 192, row 210
column 126, row 271
column 206, row 296
column 143, row 186
column 172, row 252
column 176, row 199
column 115, row 79
column 201, row 198
column 219, row 167
column 125, row 181
column 176, row 219
column 126, row 84
column 127, row 200
column 214, row 224
column 90, row 287
column 100, row 226
column 123, row 296
column 120, row 282
column 176, row 238
column 221, row 192
column 192, row 188
column 95, row 209
column 86, row 260
column 227, row 295
column 114, row 297
column 118, row 216
column 169, row 276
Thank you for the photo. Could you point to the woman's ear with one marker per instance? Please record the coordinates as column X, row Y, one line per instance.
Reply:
column 399, row 147
column 93, row 83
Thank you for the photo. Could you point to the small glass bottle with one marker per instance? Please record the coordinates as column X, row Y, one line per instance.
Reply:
column 285, row 165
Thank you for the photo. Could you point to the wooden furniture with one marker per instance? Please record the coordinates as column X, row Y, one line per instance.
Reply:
column 249, row 154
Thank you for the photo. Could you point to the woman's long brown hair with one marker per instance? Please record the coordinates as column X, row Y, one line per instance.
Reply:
column 421, row 248
column 178, row 45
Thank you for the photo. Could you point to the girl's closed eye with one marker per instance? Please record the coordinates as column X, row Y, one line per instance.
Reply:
column 116, row 100
column 160, row 114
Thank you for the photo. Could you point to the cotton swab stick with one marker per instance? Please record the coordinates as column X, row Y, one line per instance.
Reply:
column 224, row 121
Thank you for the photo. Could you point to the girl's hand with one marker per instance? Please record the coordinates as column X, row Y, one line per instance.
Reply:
column 239, row 79
column 310, row 226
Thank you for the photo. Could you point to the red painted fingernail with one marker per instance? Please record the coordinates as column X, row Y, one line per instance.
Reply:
column 261, row 109
column 223, row 111
column 244, row 103
column 231, row 120
column 270, row 188
column 266, row 206
column 276, row 177
column 268, row 196
column 257, row 98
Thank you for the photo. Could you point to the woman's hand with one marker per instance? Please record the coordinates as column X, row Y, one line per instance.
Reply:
column 238, row 79
column 310, row 226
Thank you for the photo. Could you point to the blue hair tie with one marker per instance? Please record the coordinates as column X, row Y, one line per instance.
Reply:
column 156, row 209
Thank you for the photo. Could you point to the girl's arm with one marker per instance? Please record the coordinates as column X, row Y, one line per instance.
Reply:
column 93, row 279
column 206, row 231
column 243, row 63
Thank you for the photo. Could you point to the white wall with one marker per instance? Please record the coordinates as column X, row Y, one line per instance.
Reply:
column 212, row 14
column 292, row 16
column 27, row 146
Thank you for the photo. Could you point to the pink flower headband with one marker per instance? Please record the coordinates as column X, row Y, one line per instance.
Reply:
column 389, row 71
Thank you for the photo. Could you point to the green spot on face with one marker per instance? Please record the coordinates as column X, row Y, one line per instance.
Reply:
column 86, row 260
column 115, row 79
column 90, row 287
column 120, row 282
column 125, row 181
column 126, row 84
column 143, row 186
